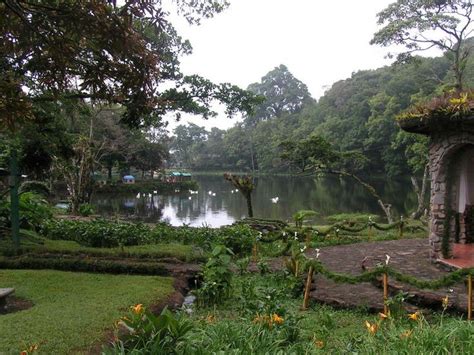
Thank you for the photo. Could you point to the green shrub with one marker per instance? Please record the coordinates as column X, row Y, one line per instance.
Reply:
column 143, row 332
column 98, row 232
column 86, row 209
column 81, row 264
column 107, row 234
column 217, row 277
column 34, row 211
column 352, row 218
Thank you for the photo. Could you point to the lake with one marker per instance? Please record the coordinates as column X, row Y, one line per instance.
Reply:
column 326, row 195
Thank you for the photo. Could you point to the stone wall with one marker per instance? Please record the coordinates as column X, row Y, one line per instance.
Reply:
column 444, row 146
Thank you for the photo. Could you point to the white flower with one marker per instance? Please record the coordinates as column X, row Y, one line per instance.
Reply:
column 317, row 253
column 284, row 234
column 303, row 249
column 387, row 259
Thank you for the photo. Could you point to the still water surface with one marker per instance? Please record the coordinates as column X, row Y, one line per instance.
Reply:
column 327, row 196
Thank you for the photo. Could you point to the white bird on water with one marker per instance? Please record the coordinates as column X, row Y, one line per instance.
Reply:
column 213, row 194
column 275, row 199
column 189, row 198
column 155, row 192
column 210, row 192
column 138, row 195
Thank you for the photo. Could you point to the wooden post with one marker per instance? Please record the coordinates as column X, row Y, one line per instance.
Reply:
column 401, row 228
column 385, row 293
column 469, row 297
column 308, row 288
column 308, row 239
column 255, row 252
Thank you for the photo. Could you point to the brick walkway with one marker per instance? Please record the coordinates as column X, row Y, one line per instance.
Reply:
column 410, row 256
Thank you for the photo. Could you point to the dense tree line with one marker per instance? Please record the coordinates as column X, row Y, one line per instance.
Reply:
column 354, row 115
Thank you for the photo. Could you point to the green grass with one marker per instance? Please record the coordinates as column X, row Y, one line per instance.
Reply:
column 71, row 311
column 230, row 326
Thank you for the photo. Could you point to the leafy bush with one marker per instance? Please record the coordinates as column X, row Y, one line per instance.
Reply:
column 86, row 209
column 34, row 211
column 98, row 232
column 217, row 277
column 143, row 332
column 81, row 264
column 105, row 233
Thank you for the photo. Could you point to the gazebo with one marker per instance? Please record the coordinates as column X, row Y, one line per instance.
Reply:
column 451, row 162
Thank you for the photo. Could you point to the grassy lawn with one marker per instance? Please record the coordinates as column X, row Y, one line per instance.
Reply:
column 71, row 310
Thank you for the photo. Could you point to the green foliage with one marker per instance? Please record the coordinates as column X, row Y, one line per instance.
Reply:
column 35, row 212
column 37, row 187
column 142, row 331
column 86, row 209
column 108, row 234
column 452, row 105
column 301, row 216
column 98, row 232
column 352, row 218
column 81, row 264
column 423, row 24
column 217, row 277
column 243, row 265
column 282, row 93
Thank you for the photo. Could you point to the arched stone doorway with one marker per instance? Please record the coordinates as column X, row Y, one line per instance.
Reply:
column 462, row 175
column 451, row 160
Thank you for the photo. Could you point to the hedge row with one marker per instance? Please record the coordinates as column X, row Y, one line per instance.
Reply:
column 85, row 265
column 108, row 234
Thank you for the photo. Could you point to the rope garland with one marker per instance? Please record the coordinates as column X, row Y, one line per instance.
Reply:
column 370, row 276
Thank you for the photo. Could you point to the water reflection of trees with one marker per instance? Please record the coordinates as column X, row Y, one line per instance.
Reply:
column 326, row 195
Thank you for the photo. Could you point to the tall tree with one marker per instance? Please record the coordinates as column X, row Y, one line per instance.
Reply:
column 282, row 93
column 104, row 51
column 423, row 24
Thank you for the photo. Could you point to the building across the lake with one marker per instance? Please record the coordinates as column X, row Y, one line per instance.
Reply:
column 128, row 179
column 177, row 176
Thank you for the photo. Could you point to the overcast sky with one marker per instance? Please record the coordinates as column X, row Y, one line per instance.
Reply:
column 319, row 41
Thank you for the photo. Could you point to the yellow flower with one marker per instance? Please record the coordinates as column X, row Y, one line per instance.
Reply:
column 277, row 319
column 406, row 334
column 445, row 302
column 414, row 316
column 372, row 328
column 210, row 318
column 138, row 309
column 384, row 316
column 319, row 344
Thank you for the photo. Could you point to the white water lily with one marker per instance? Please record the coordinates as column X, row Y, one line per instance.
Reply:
column 387, row 259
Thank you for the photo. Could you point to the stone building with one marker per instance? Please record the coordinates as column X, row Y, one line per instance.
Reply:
column 451, row 161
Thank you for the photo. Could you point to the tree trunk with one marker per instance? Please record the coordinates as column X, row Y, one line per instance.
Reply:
column 249, row 205
column 420, row 194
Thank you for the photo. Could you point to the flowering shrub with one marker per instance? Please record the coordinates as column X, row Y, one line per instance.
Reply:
column 149, row 334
